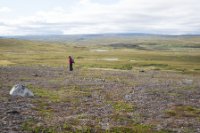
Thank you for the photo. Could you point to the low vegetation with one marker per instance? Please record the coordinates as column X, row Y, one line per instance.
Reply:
column 179, row 54
column 184, row 111
column 119, row 85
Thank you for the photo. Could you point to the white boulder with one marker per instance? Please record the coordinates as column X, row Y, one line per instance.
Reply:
column 20, row 90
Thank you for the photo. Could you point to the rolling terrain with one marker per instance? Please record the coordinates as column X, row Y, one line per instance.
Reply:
column 121, row 83
column 179, row 53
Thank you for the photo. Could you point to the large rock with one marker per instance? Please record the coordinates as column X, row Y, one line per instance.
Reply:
column 20, row 90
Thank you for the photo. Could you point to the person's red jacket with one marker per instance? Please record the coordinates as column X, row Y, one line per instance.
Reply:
column 71, row 60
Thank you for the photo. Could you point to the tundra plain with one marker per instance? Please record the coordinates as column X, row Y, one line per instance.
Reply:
column 119, row 84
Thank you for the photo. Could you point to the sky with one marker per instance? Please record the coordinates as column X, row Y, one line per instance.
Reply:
column 49, row 17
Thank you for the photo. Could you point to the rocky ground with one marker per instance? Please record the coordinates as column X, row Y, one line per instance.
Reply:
column 97, row 100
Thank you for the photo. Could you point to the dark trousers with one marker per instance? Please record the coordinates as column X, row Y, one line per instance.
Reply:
column 71, row 67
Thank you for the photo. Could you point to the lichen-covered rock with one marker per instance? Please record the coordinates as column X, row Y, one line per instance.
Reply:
column 20, row 90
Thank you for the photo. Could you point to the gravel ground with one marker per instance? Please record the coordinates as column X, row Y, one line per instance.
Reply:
column 165, row 100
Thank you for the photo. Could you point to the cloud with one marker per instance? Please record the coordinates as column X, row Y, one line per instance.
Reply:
column 95, row 16
column 5, row 10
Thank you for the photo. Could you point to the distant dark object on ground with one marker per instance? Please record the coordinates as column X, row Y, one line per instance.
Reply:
column 142, row 71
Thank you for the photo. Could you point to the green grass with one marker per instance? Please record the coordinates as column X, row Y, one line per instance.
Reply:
column 122, row 106
column 71, row 93
column 184, row 111
column 51, row 95
column 138, row 128
column 33, row 126
column 177, row 57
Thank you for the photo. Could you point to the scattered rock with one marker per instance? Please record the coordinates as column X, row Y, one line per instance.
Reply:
column 35, row 75
column 128, row 97
column 188, row 81
column 95, row 102
column 20, row 90
column 105, row 124
column 12, row 112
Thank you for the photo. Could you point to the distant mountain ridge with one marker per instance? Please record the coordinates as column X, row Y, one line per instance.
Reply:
column 82, row 37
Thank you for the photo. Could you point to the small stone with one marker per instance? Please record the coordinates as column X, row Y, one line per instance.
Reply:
column 39, row 124
column 128, row 97
column 12, row 112
column 188, row 81
column 35, row 75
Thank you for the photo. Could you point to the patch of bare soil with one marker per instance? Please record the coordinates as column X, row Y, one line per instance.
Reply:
column 99, row 100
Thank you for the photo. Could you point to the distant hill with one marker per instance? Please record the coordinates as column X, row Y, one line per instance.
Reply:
column 86, row 37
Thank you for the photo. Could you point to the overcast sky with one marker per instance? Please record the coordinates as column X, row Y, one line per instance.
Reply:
column 40, row 17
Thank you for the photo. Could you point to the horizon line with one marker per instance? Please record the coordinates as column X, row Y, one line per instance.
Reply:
column 123, row 33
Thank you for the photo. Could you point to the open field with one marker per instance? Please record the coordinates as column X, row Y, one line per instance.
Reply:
column 180, row 54
column 133, row 84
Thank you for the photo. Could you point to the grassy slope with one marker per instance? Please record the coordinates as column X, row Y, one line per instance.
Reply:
column 181, row 53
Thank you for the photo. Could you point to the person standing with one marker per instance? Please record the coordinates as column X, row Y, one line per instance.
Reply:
column 71, row 61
